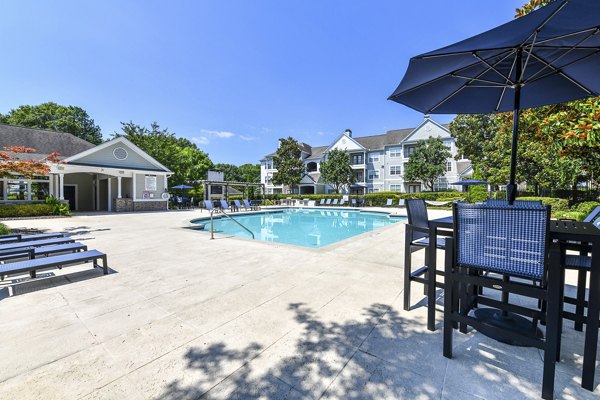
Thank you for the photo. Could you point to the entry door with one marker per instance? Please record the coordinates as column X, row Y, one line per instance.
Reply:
column 69, row 194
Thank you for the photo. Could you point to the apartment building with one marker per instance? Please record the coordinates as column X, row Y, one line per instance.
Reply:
column 378, row 162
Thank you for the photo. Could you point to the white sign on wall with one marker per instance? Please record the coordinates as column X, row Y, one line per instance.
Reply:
column 150, row 183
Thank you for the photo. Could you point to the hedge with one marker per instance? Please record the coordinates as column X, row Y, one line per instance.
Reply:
column 586, row 207
column 25, row 210
column 4, row 229
column 557, row 205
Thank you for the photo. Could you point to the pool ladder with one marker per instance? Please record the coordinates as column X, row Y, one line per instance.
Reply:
column 212, row 234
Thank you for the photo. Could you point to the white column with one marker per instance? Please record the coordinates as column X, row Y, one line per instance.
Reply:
column 109, row 180
column 165, row 182
column 61, row 186
column 29, row 190
column 118, row 187
column 5, row 193
column 97, row 193
column 51, row 185
column 133, row 186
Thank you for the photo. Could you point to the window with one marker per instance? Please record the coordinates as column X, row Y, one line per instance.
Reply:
column 311, row 166
column 449, row 166
column 414, row 188
column 374, row 174
column 269, row 164
column 357, row 159
column 359, row 176
column 374, row 157
column 395, row 151
column 268, row 180
column 408, row 151
column 395, row 170
column 396, row 188
column 373, row 190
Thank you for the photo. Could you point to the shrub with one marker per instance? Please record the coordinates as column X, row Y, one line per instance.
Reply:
column 25, row 210
column 576, row 215
column 477, row 194
column 58, row 207
column 586, row 207
column 557, row 205
column 4, row 229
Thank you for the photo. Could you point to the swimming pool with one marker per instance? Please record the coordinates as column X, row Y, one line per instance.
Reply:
column 305, row 227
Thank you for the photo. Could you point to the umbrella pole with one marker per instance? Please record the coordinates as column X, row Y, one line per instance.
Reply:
column 511, row 188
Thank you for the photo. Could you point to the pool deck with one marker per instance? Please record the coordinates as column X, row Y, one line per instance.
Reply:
column 183, row 316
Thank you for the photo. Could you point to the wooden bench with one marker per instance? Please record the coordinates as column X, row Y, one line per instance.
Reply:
column 59, row 261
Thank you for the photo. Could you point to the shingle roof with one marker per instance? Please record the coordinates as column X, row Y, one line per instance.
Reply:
column 378, row 142
column 371, row 143
column 44, row 141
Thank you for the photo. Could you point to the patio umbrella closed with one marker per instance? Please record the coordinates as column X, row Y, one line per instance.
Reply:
column 182, row 187
column 549, row 56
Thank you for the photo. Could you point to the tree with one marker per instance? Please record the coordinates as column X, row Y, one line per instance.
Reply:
column 231, row 172
column 249, row 172
column 337, row 170
column 290, row 167
column 180, row 155
column 70, row 119
column 427, row 162
column 14, row 160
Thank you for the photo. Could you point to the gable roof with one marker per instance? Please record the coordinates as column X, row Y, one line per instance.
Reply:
column 43, row 140
column 122, row 140
column 370, row 143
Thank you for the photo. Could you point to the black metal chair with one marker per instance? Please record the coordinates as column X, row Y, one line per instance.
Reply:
column 582, row 264
column 417, row 238
column 504, row 241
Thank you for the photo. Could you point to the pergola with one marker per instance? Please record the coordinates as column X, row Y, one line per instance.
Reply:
column 207, row 183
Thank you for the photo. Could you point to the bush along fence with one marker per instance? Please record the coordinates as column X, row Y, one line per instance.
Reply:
column 560, row 207
column 52, row 206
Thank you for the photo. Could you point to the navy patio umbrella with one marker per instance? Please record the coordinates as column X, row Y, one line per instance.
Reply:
column 469, row 182
column 183, row 187
column 549, row 56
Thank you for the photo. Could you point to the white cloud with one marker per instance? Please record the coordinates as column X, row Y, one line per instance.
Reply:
column 201, row 140
column 322, row 133
column 219, row 134
column 247, row 138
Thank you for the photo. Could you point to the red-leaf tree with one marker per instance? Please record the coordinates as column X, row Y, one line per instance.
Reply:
column 14, row 161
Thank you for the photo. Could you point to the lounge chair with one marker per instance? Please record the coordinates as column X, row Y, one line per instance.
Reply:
column 328, row 202
column 238, row 205
column 36, row 243
column 305, row 202
column 401, row 203
column 361, row 202
column 322, row 202
column 353, row 203
column 225, row 205
column 59, row 261
column 25, row 238
column 389, row 202
column 342, row 202
column 35, row 252
column 208, row 204
column 250, row 206
column 335, row 202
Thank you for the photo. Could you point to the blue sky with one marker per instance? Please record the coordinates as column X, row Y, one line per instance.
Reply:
column 234, row 76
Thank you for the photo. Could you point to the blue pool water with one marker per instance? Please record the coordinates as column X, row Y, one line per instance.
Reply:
column 305, row 227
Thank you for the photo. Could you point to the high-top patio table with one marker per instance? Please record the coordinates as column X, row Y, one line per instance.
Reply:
column 563, row 231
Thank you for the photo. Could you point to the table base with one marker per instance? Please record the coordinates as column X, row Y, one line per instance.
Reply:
column 511, row 322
